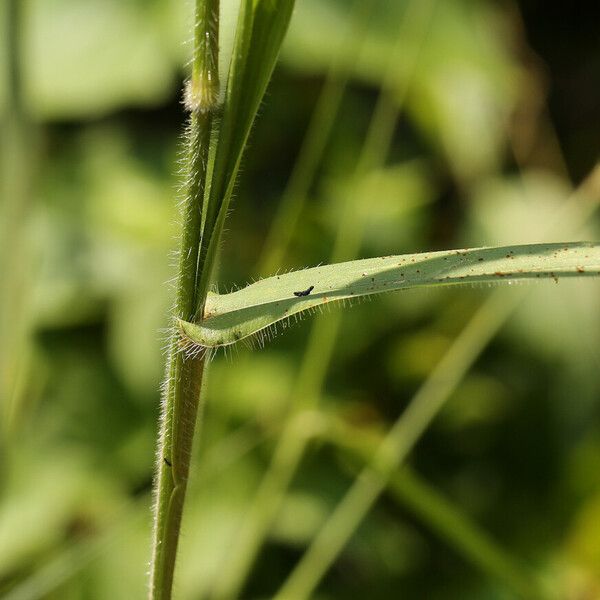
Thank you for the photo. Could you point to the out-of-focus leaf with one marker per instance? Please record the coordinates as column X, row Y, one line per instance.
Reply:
column 106, row 241
column 462, row 90
column 88, row 57
column 583, row 549
column 216, row 511
column 266, row 381
column 402, row 192
column 42, row 500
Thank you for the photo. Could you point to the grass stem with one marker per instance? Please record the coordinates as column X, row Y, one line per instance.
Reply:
column 17, row 169
column 437, row 513
column 181, row 392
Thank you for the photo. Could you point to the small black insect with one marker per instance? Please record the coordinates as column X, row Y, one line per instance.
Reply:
column 167, row 461
column 305, row 292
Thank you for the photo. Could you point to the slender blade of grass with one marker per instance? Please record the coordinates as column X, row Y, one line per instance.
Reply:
column 396, row 445
column 18, row 159
column 261, row 27
column 238, row 315
column 438, row 513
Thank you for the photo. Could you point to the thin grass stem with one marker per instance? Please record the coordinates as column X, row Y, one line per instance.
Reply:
column 463, row 535
column 17, row 168
column 438, row 514
column 181, row 392
column 373, row 480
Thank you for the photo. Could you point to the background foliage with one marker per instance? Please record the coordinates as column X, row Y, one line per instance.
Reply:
column 498, row 124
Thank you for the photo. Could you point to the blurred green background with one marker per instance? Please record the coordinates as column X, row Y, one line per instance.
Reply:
column 499, row 110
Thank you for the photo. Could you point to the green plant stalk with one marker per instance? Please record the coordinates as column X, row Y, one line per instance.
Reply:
column 438, row 514
column 464, row 536
column 181, row 392
column 394, row 448
column 302, row 424
column 212, row 160
column 17, row 166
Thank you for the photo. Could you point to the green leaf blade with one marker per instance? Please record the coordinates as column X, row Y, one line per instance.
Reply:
column 261, row 28
column 262, row 25
column 229, row 318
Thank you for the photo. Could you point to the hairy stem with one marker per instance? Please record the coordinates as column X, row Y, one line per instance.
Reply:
column 181, row 393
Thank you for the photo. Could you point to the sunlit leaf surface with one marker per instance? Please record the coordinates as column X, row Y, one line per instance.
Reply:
column 235, row 316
